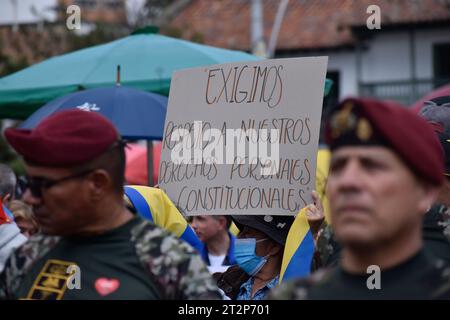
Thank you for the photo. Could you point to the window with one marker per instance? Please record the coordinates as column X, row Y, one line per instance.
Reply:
column 86, row 4
column 330, row 101
column 333, row 97
column 113, row 4
column 441, row 64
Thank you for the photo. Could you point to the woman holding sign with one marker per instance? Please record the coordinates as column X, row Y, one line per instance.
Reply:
column 258, row 252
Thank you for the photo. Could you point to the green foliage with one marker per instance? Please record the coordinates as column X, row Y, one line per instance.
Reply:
column 7, row 156
column 101, row 33
column 155, row 8
column 197, row 37
column 10, row 64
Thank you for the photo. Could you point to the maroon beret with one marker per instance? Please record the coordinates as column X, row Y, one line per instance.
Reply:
column 275, row 227
column 372, row 122
column 65, row 138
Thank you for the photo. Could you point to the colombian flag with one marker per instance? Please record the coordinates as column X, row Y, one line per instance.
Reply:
column 5, row 214
column 299, row 248
column 153, row 204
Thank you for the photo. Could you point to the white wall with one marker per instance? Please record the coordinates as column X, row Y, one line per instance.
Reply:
column 345, row 64
column 424, row 49
column 387, row 58
column 24, row 11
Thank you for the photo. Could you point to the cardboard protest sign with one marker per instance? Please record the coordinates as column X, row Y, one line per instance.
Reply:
column 242, row 138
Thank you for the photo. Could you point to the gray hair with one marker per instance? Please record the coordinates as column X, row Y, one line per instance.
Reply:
column 438, row 111
column 7, row 181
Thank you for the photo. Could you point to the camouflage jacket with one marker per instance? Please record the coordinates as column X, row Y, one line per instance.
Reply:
column 427, row 279
column 436, row 230
column 174, row 267
column 327, row 249
column 444, row 220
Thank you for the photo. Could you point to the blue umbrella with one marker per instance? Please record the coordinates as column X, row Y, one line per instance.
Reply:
column 136, row 114
column 148, row 59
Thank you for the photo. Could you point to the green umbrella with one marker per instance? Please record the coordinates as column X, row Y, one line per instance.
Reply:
column 147, row 60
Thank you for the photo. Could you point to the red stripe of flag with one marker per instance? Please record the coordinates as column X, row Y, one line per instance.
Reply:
column 3, row 216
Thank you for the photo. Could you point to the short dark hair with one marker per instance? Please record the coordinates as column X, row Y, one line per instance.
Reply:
column 437, row 111
column 113, row 162
column 8, row 181
column 227, row 218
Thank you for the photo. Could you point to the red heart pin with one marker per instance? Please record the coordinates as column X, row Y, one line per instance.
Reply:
column 105, row 286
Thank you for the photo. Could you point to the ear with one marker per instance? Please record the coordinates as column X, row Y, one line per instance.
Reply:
column 6, row 199
column 223, row 222
column 99, row 184
column 428, row 196
column 274, row 249
column 446, row 185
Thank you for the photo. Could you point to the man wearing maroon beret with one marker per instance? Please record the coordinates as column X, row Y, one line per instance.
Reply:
column 91, row 246
column 436, row 224
column 385, row 173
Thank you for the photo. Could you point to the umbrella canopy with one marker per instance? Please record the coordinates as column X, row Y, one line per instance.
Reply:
column 147, row 60
column 136, row 171
column 442, row 91
column 135, row 113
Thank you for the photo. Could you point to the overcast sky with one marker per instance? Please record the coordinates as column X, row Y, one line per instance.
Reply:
column 24, row 12
column 43, row 7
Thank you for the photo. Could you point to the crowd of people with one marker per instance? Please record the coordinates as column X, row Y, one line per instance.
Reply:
column 388, row 236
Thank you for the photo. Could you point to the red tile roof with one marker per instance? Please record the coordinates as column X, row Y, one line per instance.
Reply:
column 307, row 24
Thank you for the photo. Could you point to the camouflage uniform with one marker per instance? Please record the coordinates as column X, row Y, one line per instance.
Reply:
column 435, row 230
column 436, row 235
column 327, row 249
column 426, row 278
column 444, row 220
column 173, row 267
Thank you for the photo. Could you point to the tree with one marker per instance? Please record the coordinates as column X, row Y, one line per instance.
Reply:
column 8, row 64
column 154, row 12
column 101, row 33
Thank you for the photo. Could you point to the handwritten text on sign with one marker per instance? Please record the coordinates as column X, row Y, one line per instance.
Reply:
column 242, row 138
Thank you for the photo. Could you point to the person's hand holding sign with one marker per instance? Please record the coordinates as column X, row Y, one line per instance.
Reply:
column 315, row 214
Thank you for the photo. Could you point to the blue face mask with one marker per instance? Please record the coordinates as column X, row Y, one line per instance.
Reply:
column 244, row 252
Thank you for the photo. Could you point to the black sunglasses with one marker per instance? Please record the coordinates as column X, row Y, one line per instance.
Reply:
column 38, row 184
column 436, row 104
